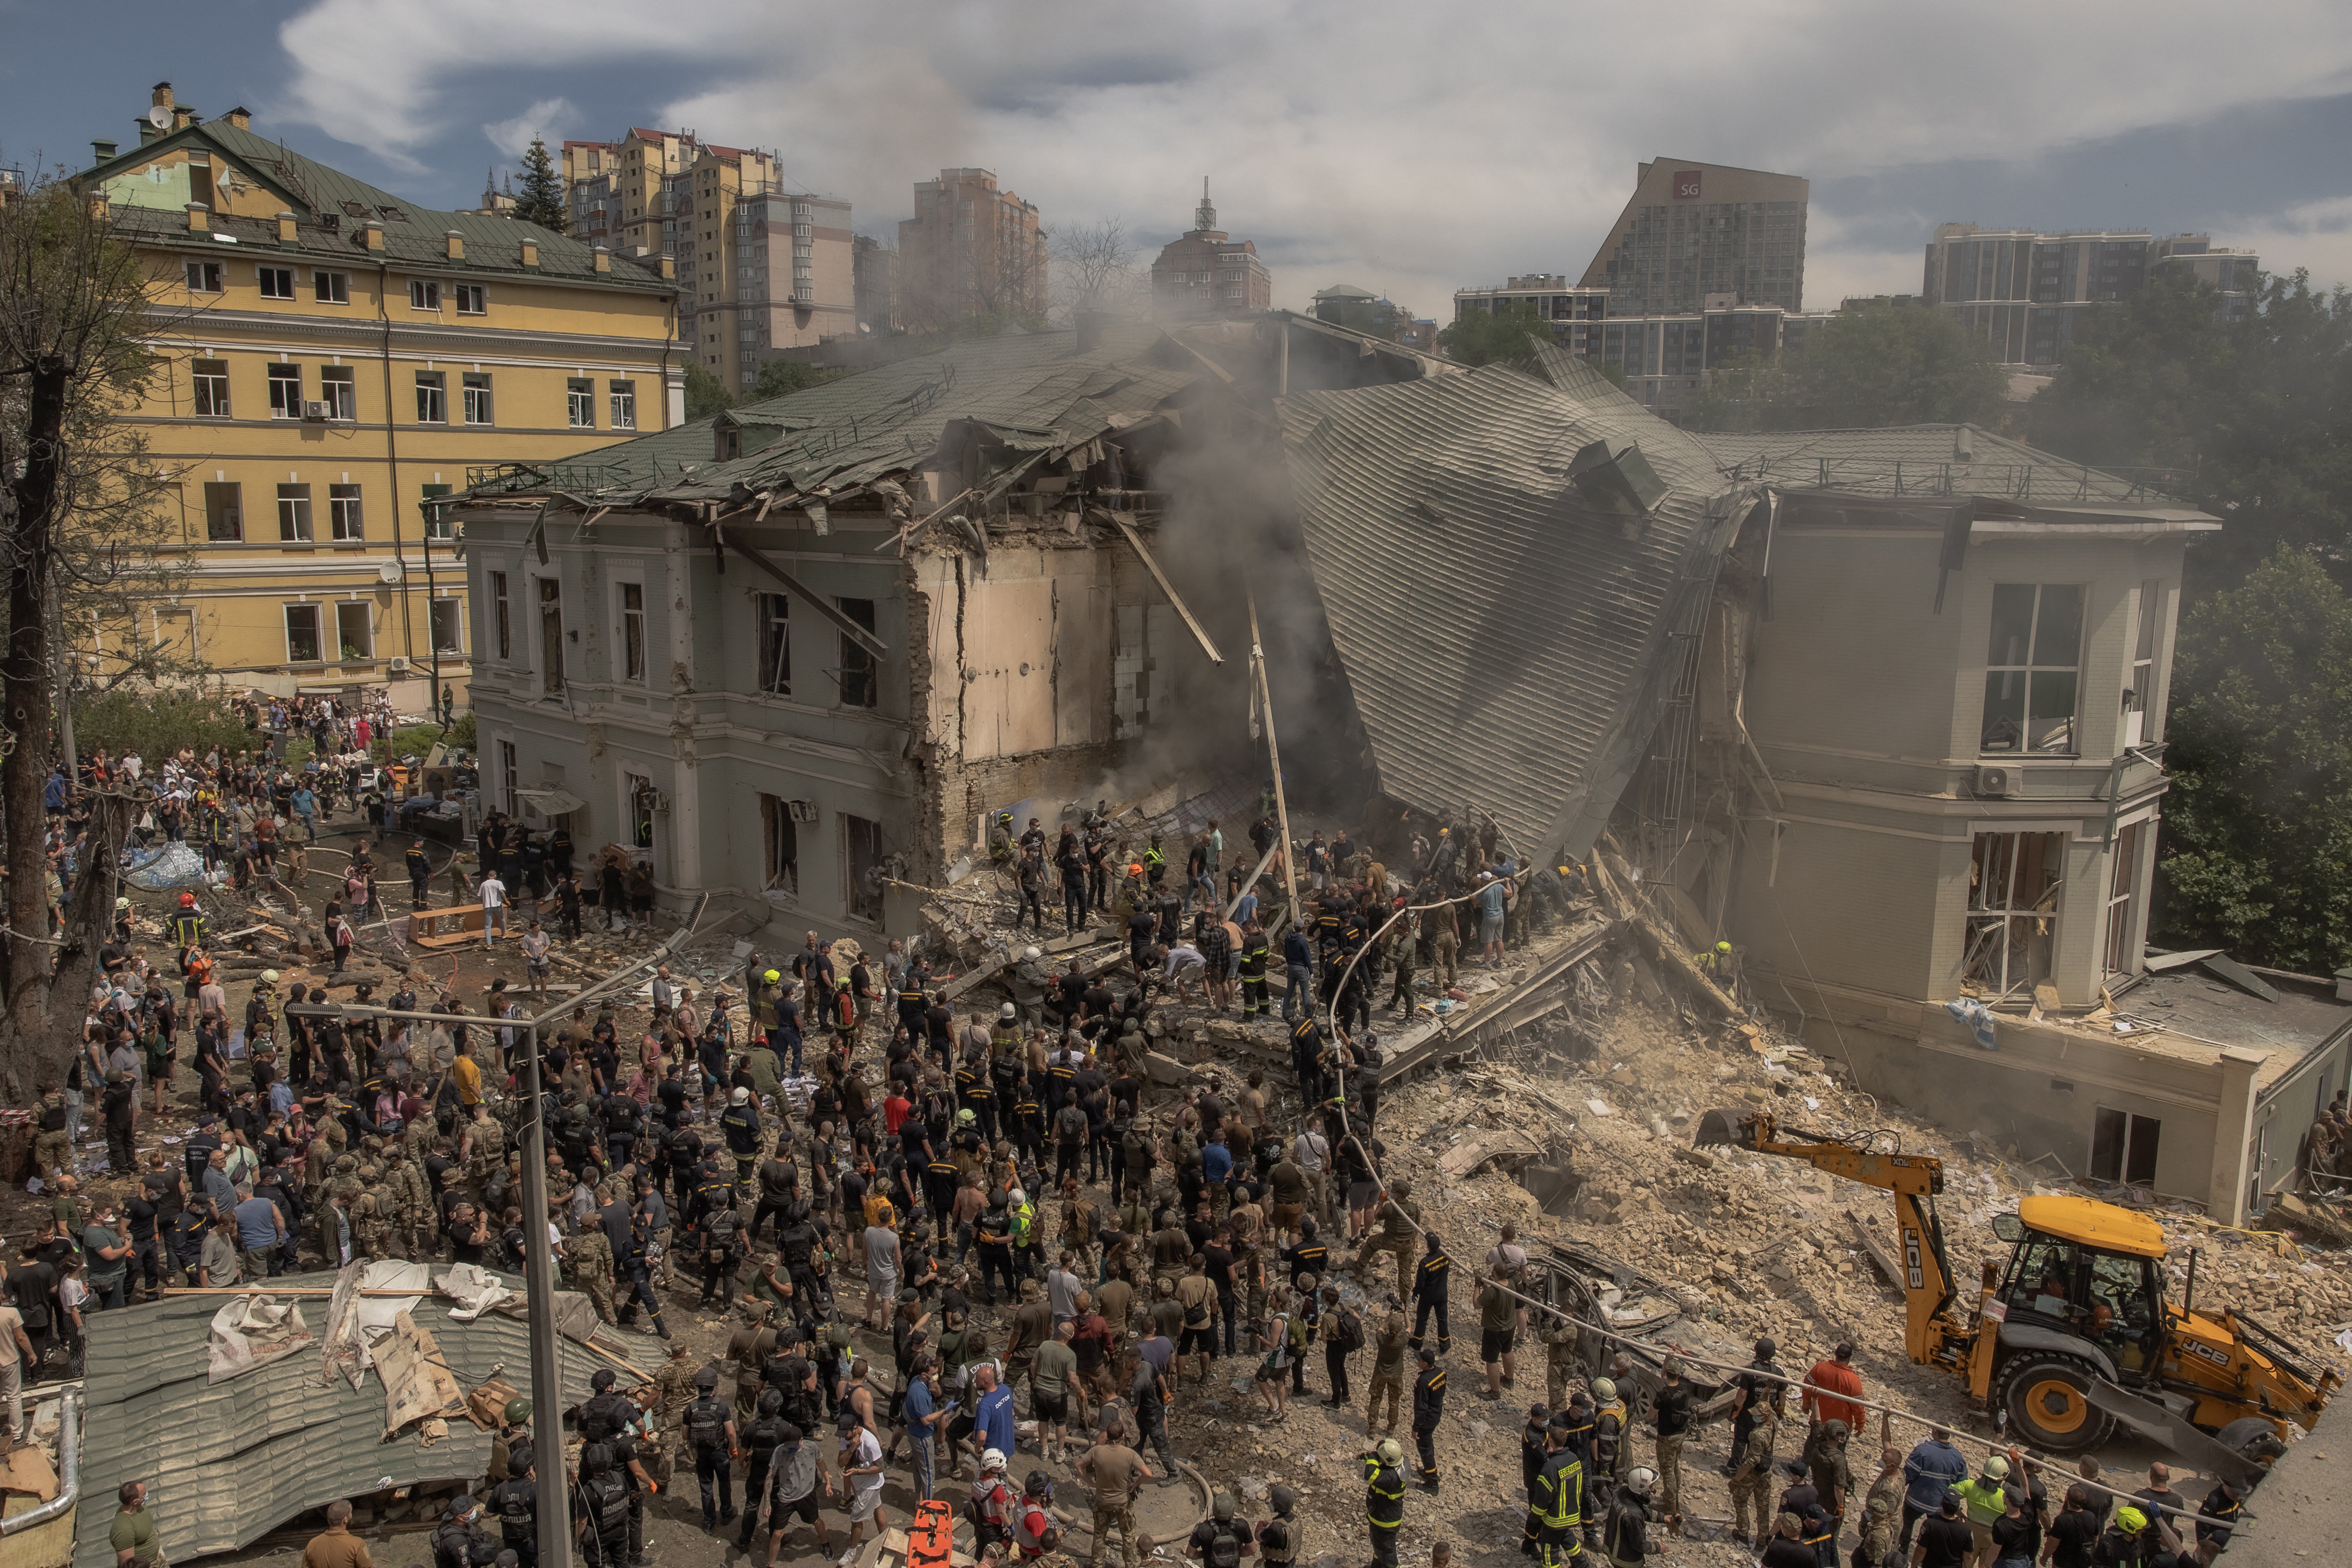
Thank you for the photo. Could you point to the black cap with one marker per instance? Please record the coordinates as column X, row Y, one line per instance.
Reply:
column 707, row 1378
column 1427, row 1355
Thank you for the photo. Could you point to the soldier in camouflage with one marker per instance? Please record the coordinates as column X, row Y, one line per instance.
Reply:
column 52, row 1147
column 589, row 1256
column 409, row 1205
column 481, row 1147
column 334, row 1214
column 368, row 1227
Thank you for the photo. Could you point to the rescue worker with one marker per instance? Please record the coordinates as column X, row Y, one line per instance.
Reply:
column 761, row 1438
column 1384, row 1498
column 1554, row 1499
column 460, row 1540
column 1428, row 1405
column 1388, row 1366
column 1626, row 1538
column 1751, row 1480
column 516, row 1502
column 188, row 928
column 602, row 1528
column 711, row 1432
column 1429, row 1293
column 1400, row 1219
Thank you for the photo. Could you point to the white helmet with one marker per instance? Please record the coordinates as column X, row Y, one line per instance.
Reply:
column 743, row 1096
column 1016, row 1195
column 1007, row 1012
column 1640, row 1480
column 1032, row 953
column 993, row 1460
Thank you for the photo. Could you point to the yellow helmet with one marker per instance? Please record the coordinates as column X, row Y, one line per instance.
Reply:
column 772, row 976
column 1723, row 947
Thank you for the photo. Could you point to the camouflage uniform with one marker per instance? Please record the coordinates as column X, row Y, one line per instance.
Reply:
column 410, row 1209
column 590, row 1258
column 53, row 1151
column 1562, row 1362
column 368, row 1226
column 485, row 1150
column 341, row 1188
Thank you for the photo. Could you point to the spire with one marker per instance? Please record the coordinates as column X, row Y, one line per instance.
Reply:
column 1204, row 217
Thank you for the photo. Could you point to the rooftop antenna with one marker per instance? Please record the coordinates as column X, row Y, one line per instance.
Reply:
column 1204, row 217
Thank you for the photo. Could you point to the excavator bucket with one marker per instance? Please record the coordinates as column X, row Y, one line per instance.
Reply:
column 1727, row 1126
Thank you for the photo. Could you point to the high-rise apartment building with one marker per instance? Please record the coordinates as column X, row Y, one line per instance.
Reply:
column 1207, row 272
column 1694, row 230
column 759, row 267
column 873, row 268
column 971, row 249
column 2027, row 293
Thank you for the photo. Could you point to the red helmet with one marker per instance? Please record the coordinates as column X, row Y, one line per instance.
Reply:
column 187, row 900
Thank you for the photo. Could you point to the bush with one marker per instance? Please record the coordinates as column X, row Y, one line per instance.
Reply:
column 158, row 723
column 416, row 740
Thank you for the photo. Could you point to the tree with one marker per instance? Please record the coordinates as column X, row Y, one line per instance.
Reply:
column 706, row 394
column 75, row 307
column 782, row 377
column 1479, row 336
column 2258, row 828
column 2242, row 418
column 1094, row 268
column 541, row 201
column 1874, row 367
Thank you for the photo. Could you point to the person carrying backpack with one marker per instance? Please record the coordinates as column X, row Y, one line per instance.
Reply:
column 1342, row 1332
column 1034, row 1532
column 711, row 1432
column 1218, row 1541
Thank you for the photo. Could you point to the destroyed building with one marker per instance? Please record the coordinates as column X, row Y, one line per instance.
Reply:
column 1884, row 709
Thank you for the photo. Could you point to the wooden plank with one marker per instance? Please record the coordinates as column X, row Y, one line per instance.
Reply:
column 815, row 601
column 1135, row 539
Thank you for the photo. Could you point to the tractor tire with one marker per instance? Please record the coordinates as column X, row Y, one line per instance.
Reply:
column 2047, row 1397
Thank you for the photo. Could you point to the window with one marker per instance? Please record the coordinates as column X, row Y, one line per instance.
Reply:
column 424, row 296
column 641, row 810
column 633, row 631
column 782, row 866
column 860, row 687
column 438, row 524
column 448, row 617
column 624, row 404
column 2123, row 897
column 862, row 862
column 510, row 776
column 472, row 301
column 225, row 513
column 294, row 514
column 276, row 283
column 2138, row 729
column 286, row 392
column 2013, row 880
column 501, row 617
column 338, row 386
column 203, row 277
column 551, row 635
column 332, row 288
column 343, row 513
column 580, row 399
column 2123, row 1147
column 432, row 398
column 477, row 399
column 302, row 634
column 210, row 378
column 354, row 637
column 775, row 643
column 2032, row 669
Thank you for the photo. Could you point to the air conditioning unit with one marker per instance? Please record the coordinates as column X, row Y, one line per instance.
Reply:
column 399, row 664
column 315, row 411
column 1997, row 783
column 801, row 810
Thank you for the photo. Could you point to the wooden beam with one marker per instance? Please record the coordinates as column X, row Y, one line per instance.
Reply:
column 1160, row 577
column 815, row 601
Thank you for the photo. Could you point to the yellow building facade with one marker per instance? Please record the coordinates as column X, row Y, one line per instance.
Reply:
column 331, row 356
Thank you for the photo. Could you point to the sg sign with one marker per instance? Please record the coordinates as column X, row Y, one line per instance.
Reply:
column 1686, row 184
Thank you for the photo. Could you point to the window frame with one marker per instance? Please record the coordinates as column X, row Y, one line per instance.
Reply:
column 2123, row 896
column 438, row 524
column 425, row 294
column 474, row 393
column 2033, row 672
column 230, row 516
column 270, row 280
column 473, row 299
column 548, row 598
column 635, row 654
column 501, row 617
column 338, row 389
column 2000, row 925
column 318, row 644
column 779, row 860
column 346, row 514
column 861, row 673
column 203, row 277
column 294, row 520
column 284, row 374
column 329, row 287
column 774, row 613
column 580, row 399
column 432, row 398
column 623, row 396
column 208, row 384
column 367, row 627
column 450, row 607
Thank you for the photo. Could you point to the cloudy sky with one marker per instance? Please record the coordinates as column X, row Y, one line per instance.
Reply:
column 1412, row 149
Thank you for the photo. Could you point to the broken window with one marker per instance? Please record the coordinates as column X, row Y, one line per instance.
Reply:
column 2123, row 1147
column 2139, row 727
column 550, row 637
column 501, row 623
column 2033, row 668
column 2013, row 916
column 859, row 685
column 776, row 644
column 862, row 841
column 783, row 836
column 633, row 631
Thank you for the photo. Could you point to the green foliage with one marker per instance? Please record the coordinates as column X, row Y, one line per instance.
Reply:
column 461, row 733
column 782, row 377
column 2246, row 418
column 706, row 394
column 1479, row 336
column 157, row 724
column 2258, row 828
column 1884, row 365
column 540, row 200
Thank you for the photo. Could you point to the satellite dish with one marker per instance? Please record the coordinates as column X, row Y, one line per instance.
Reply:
column 159, row 117
column 390, row 572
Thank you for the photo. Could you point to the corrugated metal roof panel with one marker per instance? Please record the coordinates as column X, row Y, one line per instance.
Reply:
column 1506, row 642
column 1929, row 461
column 227, row 1463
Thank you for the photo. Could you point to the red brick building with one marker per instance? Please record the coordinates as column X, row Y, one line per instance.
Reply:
column 1208, row 273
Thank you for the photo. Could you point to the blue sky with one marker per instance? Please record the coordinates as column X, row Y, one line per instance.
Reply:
column 1409, row 148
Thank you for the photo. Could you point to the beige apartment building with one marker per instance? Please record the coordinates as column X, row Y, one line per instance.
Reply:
column 971, row 249
column 1693, row 230
column 759, row 267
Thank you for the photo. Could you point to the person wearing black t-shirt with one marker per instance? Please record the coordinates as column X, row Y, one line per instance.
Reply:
column 469, row 1234
column 1944, row 1541
column 1671, row 1408
column 2075, row 1531
column 145, row 1249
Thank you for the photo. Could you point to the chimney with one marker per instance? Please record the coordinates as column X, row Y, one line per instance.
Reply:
column 668, row 265
column 200, row 217
column 453, row 246
column 162, row 97
column 102, row 148
column 375, row 235
column 603, row 261
column 241, row 117
column 530, row 253
column 286, row 235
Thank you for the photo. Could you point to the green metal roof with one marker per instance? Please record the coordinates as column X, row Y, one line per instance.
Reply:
column 227, row 1463
column 1931, row 460
column 333, row 209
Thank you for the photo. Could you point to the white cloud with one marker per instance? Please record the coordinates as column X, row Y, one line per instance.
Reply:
column 544, row 119
column 1409, row 148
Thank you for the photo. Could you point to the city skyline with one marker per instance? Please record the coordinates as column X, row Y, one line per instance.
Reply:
column 1382, row 170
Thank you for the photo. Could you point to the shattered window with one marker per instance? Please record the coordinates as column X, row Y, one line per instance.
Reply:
column 2013, row 916
column 2032, row 669
column 776, row 645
